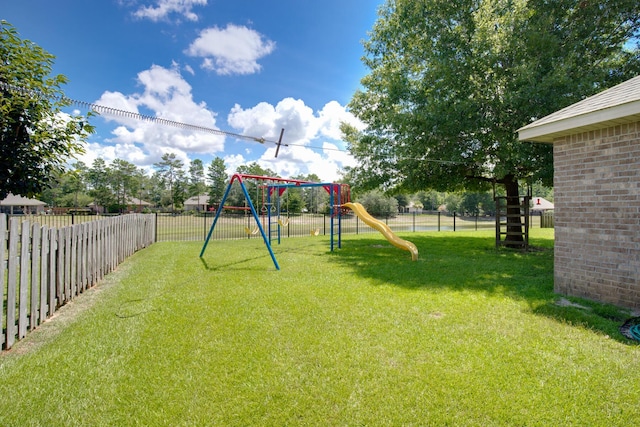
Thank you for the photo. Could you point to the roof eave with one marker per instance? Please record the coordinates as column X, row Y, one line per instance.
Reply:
column 548, row 131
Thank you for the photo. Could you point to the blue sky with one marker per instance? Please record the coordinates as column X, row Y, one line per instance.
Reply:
column 242, row 66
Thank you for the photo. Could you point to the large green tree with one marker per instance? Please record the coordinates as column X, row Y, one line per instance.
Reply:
column 124, row 180
column 36, row 137
column 449, row 84
column 98, row 178
column 196, row 178
column 255, row 188
column 170, row 171
column 217, row 176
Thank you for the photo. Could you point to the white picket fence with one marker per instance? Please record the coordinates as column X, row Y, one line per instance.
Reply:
column 44, row 268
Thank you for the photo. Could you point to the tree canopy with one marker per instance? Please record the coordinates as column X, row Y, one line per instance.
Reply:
column 36, row 137
column 451, row 82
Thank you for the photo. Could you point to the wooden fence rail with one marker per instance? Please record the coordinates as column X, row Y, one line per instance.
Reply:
column 43, row 268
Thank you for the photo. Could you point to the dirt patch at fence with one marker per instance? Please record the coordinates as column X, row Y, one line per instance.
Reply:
column 64, row 316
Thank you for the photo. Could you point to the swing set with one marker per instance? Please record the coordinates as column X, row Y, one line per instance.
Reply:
column 273, row 189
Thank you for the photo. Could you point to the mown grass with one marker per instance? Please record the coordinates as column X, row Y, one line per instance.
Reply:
column 467, row 335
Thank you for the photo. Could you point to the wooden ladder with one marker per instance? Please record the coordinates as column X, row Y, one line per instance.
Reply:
column 504, row 212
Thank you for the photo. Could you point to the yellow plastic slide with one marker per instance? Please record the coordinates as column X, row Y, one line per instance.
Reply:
column 383, row 228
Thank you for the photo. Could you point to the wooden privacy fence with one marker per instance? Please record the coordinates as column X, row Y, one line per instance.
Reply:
column 44, row 268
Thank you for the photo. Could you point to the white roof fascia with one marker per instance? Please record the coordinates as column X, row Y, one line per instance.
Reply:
column 598, row 119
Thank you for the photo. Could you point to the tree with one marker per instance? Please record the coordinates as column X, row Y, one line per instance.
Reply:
column 430, row 200
column 73, row 186
column 98, row 183
column 313, row 198
column 451, row 82
column 36, row 138
column 217, row 176
column 180, row 189
column 236, row 198
column 168, row 170
column 124, row 178
column 403, row 201
column 377, row 204
column 477, row 203
column 196, row 178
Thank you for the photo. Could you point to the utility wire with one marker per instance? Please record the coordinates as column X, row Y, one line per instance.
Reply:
column 101, row 109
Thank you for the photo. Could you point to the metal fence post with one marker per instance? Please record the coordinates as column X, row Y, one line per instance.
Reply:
column 204, row 222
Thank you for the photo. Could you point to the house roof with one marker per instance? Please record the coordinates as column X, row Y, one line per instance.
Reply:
column 13, row 200
column 540, row 204
column 131, row 201
column 197, row 200
column 135, row 201
column 617, row 105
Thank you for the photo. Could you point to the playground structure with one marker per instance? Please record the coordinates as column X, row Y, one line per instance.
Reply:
column 384, row 229
column 272, row 191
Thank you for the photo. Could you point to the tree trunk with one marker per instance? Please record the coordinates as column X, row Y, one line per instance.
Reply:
column 514, row 237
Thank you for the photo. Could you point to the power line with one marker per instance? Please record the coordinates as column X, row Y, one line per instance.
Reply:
column 101, row 109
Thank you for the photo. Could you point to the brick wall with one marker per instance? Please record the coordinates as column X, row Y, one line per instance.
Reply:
column 597, row 215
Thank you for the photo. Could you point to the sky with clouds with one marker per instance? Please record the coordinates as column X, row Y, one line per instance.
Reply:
column 238, row 66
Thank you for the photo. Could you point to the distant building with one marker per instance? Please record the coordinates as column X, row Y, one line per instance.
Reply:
column 540, row 204
column 21, row 205
column 197, row 203
column 134, row 205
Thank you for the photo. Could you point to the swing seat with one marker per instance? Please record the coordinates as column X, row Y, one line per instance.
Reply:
column 250, row 231
column 283, row 223
column 314, row 232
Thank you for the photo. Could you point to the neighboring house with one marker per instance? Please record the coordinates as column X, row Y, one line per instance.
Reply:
column 197, row 203
column 21, row 205
column 540, row 204
column 133, row 205
column 596, row 150
column 136, row 205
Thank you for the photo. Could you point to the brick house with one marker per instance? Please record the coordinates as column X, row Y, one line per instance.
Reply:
column 596, row 150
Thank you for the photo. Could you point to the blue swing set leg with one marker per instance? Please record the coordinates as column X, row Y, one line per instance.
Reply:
column 253, row 212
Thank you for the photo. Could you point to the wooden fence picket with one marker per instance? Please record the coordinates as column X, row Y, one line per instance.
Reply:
column 44, row 268
column 25, row 262
column 51, row 291
column 62, row 291
column 36, row 243
column 12, row 282
column 3, row 269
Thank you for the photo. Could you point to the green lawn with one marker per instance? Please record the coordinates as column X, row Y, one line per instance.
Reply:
column 468, row 335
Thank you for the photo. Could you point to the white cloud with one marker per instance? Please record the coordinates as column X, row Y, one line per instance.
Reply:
column 265, row 120
column 305, row 130
column 168, row 96
column 232, row 50
column 233, row 161
column 163, row 8
column 330, row 117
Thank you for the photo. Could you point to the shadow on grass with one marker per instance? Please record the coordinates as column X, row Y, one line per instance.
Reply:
column 472, row 263
column 245, row 262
